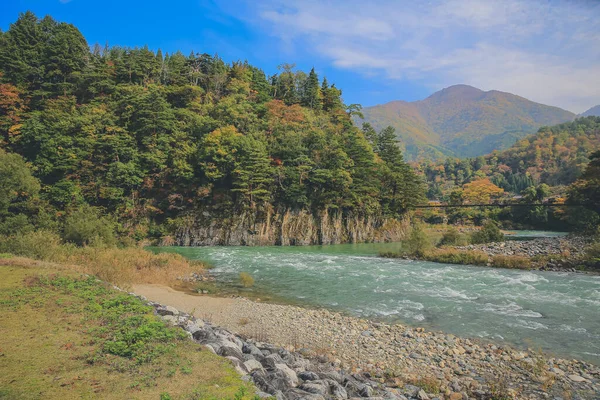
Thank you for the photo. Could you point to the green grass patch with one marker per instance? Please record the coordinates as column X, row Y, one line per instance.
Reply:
column 70, row 336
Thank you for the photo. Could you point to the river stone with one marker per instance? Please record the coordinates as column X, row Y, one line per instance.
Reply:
column 252, row 365
column 576, row 378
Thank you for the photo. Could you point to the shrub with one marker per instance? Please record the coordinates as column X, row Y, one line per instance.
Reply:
column 513, row 262
column 392, row 254
column 452, row 237
column 487, row 234
column 418, row 242
column 592, row 252
column 246, row 279
column 84, row 226
column 41, row 245
column 453, row 256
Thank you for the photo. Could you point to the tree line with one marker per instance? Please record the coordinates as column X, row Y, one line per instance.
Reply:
column 142, row 138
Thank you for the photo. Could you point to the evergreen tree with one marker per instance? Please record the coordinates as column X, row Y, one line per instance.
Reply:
column 311, row 96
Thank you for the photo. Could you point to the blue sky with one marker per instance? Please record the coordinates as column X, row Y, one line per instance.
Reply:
column 377, row 51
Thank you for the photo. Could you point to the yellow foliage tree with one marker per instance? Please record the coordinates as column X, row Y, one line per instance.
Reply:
column 481, row 191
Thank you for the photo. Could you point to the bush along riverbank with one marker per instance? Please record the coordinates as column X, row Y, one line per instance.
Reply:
column 488, row 248
column 318, row 354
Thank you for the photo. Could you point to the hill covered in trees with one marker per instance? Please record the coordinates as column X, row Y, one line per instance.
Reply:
column 186, row 147
column 555, row 156
column 462, row 121
column 542, row 167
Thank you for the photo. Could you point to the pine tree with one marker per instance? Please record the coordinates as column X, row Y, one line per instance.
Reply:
column 311, row 96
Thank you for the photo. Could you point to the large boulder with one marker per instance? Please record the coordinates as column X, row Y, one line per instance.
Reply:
column 289, row 374
column 249, row 348
column 297, row 394
column 204, row 335
column 252, row 365
column 337, row 391
column 167, row 310
column 269, row 361
column 239, row 367
column 229, row 349
column 315, row 387
column 308, row 376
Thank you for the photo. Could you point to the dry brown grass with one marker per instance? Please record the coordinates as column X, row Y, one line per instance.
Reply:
column 512, row 262
column 133, row 265
column 121, row 267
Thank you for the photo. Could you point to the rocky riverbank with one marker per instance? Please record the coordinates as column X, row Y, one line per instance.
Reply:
column 555, row 253
column 316, row 354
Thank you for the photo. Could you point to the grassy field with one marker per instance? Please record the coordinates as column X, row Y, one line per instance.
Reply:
column 64, row 335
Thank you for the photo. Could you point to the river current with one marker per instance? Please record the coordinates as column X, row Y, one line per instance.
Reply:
column 555, row 312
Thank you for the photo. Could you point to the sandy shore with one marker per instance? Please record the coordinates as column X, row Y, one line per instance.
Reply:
column 404, row 353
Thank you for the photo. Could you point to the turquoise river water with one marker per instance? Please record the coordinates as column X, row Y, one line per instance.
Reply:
column 555, row 312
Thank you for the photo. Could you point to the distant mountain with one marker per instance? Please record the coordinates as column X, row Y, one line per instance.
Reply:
column 592, row 112
column 462, row 121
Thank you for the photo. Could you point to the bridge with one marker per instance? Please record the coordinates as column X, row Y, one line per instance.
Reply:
column 497, row 205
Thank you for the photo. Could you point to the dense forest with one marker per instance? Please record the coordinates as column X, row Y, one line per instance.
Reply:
column 159, row 144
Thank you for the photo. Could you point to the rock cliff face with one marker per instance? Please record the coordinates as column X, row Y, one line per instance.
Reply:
column 289, row 228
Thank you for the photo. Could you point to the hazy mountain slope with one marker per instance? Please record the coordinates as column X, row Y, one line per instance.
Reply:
column 594, row 111
column 463, row 121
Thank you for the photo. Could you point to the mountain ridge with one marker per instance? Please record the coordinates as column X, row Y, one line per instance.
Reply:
column 463, row 121
column 592, row 112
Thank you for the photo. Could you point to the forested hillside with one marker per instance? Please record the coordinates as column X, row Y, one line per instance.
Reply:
column 186, row 147
column 463, row 121
column 555, row 156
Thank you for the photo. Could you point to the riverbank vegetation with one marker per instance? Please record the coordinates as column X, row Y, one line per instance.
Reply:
column 70, row 336
column 120, row 266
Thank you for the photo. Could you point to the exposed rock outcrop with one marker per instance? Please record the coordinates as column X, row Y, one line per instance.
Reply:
column 288, row 228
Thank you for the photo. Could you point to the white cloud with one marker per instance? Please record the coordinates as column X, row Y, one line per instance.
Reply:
column 547, row 51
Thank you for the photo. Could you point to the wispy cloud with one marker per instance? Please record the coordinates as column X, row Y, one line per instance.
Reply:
column 548, row 51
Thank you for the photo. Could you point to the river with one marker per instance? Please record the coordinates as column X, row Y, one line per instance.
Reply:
column 554, row 312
